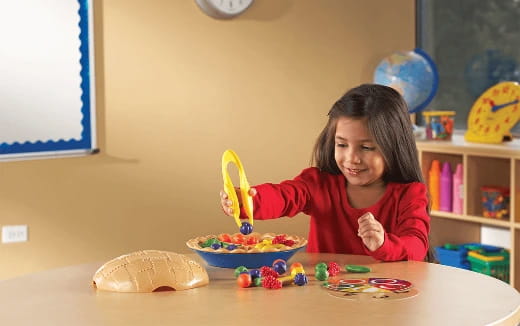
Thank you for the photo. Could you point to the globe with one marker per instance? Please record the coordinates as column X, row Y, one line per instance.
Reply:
column 411, row 73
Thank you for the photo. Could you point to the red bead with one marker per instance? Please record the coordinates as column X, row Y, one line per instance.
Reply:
column 268, row 271
column 333, row 268
column 271, row 282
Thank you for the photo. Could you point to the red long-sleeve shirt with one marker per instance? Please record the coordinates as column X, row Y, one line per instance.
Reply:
column 333, row 226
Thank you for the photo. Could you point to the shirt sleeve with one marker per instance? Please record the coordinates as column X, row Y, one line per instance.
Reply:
column 409, row 240
column 288, row 198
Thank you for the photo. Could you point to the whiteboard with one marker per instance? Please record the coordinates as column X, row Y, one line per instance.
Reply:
column 47, row 85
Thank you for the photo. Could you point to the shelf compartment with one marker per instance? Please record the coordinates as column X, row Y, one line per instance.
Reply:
column 455, row 231
column 428, row 157
column 484, row 171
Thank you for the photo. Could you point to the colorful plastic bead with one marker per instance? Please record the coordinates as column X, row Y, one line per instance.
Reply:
column 322, row 274
column 216, row 245
column 271, row 282
column 268, row 271
column 295, row 265
column 333, row 269
column 244, row 280
column 297, row 270
column 320, row 266
column 209, row 242
column 231, row 247
column 357, row 269
column 280, row 266
column 240, row 269
column 246, row 228
column 300, row 279
column 255, row 273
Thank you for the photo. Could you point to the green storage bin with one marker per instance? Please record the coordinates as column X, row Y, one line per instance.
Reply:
column 497, row 268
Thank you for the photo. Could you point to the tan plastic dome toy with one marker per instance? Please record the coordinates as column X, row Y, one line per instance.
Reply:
column 149, row 271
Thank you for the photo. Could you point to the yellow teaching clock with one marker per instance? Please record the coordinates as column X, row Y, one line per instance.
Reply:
column 494, row 113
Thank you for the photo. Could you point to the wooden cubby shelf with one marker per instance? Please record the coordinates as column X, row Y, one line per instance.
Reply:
column 470, row 218
column 483, row 164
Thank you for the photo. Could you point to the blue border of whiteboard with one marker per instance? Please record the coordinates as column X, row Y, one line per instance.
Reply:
column 87, row 143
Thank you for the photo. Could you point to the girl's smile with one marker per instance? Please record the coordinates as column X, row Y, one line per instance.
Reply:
column 354, row 172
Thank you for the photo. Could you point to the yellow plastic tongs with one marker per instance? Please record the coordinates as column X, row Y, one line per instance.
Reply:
column 247, row 200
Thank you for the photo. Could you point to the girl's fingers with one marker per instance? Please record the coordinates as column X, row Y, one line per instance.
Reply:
column 366, row 217
column 368, row 226
column 226, row 203
column 252, row 192
column 370, row 234
column 223, row 195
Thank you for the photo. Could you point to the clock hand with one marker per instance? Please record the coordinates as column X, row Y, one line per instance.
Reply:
column 495, row 108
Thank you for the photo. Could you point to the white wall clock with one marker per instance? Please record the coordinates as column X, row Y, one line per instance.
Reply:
column 223, row 9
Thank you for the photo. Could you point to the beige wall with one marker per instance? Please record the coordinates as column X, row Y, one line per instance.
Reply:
column 175, row 89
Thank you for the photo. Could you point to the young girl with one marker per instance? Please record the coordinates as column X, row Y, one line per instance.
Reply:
column 366, row 194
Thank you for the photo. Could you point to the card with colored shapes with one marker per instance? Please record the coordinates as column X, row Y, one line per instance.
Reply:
column 369, row 285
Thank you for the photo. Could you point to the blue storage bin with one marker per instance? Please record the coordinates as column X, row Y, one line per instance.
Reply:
column 457, row 255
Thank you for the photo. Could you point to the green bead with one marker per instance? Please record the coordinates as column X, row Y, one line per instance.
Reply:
column 322, row 275
column 209, row 242
column 320, row 266
column 357, row 269
column 258, row 281
column 239, row 270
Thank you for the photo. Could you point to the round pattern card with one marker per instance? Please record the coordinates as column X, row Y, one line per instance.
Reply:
column 370, row 288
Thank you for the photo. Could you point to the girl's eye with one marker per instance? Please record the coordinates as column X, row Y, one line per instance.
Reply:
column 368, row 148
column 341, row 145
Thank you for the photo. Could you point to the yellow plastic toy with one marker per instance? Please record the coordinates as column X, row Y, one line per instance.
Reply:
column 494, row 113
column 247, row 200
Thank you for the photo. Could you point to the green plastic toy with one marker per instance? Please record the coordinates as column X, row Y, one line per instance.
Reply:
column 357, row 269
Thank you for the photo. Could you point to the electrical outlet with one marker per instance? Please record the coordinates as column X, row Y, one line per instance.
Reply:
column 14, row 233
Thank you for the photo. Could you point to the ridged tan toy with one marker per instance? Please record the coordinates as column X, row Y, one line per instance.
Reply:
column 149, row 271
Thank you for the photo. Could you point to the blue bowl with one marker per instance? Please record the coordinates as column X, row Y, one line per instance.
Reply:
column 252, row 260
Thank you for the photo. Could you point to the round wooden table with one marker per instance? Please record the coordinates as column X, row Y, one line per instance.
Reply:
column 444, row 296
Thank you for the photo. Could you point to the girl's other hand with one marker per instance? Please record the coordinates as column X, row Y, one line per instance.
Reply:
column 227, row 204
column 371, row 231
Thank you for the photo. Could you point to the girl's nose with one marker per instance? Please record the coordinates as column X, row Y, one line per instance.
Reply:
column 353, row 157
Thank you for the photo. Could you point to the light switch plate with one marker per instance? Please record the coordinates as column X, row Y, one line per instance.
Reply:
column 14, row 233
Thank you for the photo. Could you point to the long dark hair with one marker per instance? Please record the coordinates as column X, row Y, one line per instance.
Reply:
column 389, row 124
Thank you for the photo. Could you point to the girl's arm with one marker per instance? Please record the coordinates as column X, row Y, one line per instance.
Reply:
column 409, row 239
column 287, row 198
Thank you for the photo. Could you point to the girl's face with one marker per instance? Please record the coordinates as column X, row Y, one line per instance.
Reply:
column 356, row 153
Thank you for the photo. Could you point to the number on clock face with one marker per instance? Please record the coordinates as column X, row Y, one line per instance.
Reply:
column 496, row 111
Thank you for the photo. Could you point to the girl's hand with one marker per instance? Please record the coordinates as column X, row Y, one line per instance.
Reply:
column 371, row 232
column 226, row 203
